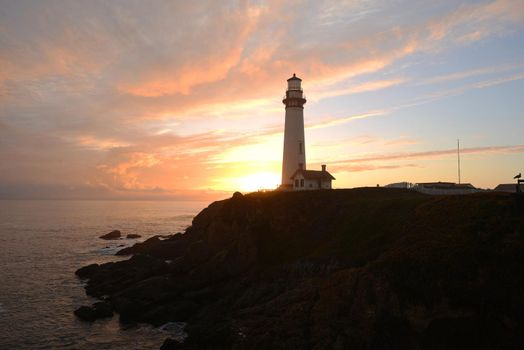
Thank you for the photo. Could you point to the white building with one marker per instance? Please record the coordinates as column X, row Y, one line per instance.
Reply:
column 304, row 180
column 404, row 184
column 294, row 173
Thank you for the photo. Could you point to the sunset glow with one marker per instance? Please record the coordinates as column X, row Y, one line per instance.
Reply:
column 183, row 100
column 260, row 181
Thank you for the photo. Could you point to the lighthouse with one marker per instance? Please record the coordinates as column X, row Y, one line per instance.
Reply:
column 295, row 177
column 294, row 142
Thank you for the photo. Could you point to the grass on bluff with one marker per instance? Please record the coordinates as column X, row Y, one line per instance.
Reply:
column 358, row 225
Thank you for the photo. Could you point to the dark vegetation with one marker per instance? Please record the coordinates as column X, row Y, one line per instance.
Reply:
column 343, row 269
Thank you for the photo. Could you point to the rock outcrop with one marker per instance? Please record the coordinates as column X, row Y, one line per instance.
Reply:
column 99, row 309
column 115, row 234
column 360, row 269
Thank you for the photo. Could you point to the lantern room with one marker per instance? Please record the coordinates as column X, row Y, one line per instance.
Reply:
column 294, row 83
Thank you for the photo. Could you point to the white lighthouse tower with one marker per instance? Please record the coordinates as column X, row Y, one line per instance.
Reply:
column 294, row 142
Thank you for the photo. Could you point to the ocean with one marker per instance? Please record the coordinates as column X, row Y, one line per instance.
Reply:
column 43, row 242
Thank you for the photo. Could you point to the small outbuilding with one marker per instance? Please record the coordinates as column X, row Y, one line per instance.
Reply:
column 304, row 180
column 509, row 188
column 444, row 188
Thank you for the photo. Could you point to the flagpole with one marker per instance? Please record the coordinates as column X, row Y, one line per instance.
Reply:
column 458, row 158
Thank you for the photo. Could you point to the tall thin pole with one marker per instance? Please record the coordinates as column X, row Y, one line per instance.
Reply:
column 458, row 158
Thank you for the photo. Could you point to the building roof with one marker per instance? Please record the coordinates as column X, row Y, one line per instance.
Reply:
column 506, row 188
column 294, row 77
column 313, row 174
column 446, row 185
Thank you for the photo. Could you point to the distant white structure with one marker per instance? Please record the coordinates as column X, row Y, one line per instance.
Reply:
column 444, row 188
column 294, row 173
column 406, row 185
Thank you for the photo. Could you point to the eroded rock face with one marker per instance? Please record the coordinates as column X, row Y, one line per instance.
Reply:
column 85, row 313
column 98, row 310
column 87, row 271
column 115, row 234
column 359, row 269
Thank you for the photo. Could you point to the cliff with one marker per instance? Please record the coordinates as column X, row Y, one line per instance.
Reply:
column 361, row 269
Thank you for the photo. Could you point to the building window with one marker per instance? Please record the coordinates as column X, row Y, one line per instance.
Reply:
column 300, row 148
column 296, row 183
column 301, row 182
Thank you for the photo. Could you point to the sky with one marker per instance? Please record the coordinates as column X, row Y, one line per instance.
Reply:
column 183, row 99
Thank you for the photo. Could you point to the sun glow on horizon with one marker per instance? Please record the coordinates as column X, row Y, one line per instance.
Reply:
column 251, row 182
column 259, row 181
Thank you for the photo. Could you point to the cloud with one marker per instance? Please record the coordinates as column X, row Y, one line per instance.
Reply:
column 329, row 122
column 473, row 22
column 433, row 154
column 392, row 161
column 359, row 88
column 437, row 95
column 355, row 168
column 129, row 96
column 470, row 73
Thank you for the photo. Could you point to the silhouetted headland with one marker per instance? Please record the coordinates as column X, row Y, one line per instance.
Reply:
column 369, row 268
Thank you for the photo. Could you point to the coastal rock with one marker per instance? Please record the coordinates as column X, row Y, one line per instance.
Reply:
column 360, row 269
column 170, row 344
column 103, row 309
column 99, row 310
column 157, row 246
column 115, row 234
column 85, row 313
column 87, row 271
column 237, row 195
column 133, row 235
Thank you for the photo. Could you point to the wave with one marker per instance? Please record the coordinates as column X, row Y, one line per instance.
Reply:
column 182, row 217
column 111, row 250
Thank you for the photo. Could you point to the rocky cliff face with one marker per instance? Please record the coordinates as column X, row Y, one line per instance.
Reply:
column 359, row 269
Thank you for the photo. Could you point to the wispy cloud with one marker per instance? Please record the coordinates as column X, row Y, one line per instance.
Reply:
column 433, row 154
column 469, row 74
column 355, row 168
column 329, row 122
column 359, row 88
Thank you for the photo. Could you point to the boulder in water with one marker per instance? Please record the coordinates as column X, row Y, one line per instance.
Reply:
column 115, row 234
column 133, row 235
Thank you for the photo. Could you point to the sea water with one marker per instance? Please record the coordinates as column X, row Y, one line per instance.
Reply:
column 43, row 242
